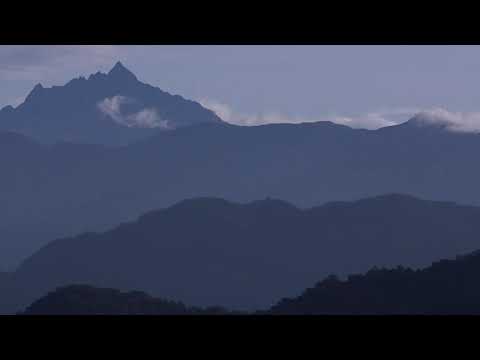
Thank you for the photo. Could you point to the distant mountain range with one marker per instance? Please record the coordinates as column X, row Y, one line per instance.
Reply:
column 109, row 109
column 95, row 153
column 61, row 175
column 50, row 191
column 207, row 252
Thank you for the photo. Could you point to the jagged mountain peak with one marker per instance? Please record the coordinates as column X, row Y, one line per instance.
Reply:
column 119, row 71
column 110, row 109
column 37, row 89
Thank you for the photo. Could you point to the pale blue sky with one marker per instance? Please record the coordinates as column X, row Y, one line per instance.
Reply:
column 260, row 83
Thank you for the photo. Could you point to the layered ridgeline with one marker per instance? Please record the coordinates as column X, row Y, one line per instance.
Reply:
column 207, row 252
column 51, row 191
column 447, row 287
column 113, row 108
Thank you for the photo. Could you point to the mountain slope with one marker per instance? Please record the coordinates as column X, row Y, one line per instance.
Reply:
column 51, row 191
column 88, row 300
column 447, row 287
column 111, row 109
column 213, row 252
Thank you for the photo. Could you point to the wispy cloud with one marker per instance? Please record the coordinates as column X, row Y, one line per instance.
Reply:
column 453, row 121
column 145, row 118
column 371, row 120
column 375, row 119
column 226, row 113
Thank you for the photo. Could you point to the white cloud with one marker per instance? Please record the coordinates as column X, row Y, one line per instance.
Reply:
column 15, row 101
column 454, row 121
column 376, row 119
column 145, row 118
column 372, row 120
column 226, row 113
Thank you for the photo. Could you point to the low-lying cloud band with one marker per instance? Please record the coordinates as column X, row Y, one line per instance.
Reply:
column 453, row 121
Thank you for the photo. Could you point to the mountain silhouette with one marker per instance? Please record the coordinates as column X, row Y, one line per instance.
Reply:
column 447, row 287
column 88, row 300
column 110, row 109
column 210, row 251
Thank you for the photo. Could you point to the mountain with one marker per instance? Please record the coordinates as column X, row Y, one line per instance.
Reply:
column 110, row 109
column 210, row 251
column 447, row 287
column 51, row 191
column 88, row 300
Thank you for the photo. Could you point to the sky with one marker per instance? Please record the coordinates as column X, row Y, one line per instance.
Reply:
column 360, row 86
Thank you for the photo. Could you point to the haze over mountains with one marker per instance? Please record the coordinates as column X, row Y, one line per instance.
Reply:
column 207, row 252
column 81, row 162
column 54, row 188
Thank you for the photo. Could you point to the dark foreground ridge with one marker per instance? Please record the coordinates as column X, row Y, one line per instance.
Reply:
column 88, row 300
column 447, row 287
column 209, row 251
